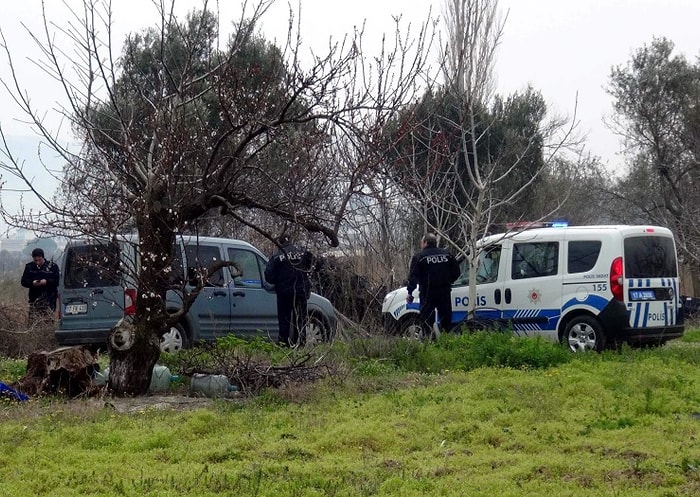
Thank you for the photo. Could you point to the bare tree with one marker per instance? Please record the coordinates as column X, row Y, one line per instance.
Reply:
column 176, row 129
column 467, row 159
column 656, row 114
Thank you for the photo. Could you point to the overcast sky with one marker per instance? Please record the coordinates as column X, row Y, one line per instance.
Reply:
column 561, row 47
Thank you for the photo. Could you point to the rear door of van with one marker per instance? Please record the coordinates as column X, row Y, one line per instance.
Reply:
column 92, row 291
column 651, row 279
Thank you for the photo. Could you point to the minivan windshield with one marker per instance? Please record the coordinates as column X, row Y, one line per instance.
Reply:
column 650, row 257
column 91, row 266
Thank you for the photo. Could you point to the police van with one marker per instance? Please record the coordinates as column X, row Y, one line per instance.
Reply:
column 98, row 288
column 587, row 286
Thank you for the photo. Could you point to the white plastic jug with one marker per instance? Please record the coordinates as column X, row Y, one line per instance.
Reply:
column 211, row 385
column 160, row 378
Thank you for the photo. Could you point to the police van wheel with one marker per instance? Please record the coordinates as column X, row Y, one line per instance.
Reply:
column 410, row 328
column 584, row 333
column 174, row 340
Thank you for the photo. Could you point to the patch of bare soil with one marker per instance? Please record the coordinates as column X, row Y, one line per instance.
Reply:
column 167, row 402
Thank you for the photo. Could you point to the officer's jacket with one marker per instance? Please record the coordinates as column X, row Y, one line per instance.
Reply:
column 289, row 269
column 432, row 269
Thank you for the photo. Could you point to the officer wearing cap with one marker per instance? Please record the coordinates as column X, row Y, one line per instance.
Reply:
column 288, row 270
column 433, row 270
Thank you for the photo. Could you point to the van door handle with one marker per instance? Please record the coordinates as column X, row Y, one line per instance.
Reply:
column 219, row 293
column 497, row 296
column 508, row 295
column 97, row 290
column 238, row 294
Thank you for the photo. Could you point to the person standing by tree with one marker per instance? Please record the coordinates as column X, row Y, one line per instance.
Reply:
column 289, row 271
column 41, row 277
column 433, row 270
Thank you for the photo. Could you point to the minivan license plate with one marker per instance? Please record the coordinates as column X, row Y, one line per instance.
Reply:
column 76, row 309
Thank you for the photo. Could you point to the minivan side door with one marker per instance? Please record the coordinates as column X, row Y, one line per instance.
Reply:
column 212, row 307
column 532, row 289
column 488, row 287
column 253, row 308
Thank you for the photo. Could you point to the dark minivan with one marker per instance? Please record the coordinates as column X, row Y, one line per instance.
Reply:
column 98, row 289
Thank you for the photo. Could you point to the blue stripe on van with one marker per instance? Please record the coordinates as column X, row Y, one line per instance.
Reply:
column 595, row 301
column 646, row 315
column 459, row 316
column 635, row 310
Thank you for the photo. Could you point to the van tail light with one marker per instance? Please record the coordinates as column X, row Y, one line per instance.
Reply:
column 617, row 279
column 59, row 307
column 129, row 301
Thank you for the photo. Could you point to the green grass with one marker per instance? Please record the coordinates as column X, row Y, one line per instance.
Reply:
column 472, row 415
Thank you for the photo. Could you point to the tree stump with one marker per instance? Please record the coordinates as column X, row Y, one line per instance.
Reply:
column 67, row 370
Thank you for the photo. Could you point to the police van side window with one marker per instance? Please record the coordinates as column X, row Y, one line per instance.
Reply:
column 532, row 260
column 582, row 255
column 199, row 259
column 489, row 259
column 250, row 269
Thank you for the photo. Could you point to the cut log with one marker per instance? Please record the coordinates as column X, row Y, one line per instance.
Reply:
column 67, row 371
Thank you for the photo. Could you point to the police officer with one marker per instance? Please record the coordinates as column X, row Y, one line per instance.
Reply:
column 433, row 270
column 41, row 277
column 289, row 271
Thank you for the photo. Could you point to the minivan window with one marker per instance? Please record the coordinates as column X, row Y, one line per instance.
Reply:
column 201, row 257
column 582, row 255
column 176, row 276
column 531, row 260
column 250, row 268
column 489, row 259
column 650, row 257
column 92, row 266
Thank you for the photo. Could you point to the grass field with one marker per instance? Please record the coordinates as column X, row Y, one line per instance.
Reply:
column 463, row 417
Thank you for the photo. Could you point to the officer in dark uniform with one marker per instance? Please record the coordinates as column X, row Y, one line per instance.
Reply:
column 433, row 270
column 289, row 271
column 41, row 277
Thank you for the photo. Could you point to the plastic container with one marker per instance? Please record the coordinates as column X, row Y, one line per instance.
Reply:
column 160, row 378
column 211, row 385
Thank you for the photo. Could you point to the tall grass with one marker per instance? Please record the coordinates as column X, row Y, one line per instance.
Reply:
column 480, row 414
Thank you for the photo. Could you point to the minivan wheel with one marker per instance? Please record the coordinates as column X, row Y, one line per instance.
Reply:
column 584, row 333
column 174, row 340
column 316, row 331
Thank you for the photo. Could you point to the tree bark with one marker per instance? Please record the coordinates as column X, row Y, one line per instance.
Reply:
column 134, row 345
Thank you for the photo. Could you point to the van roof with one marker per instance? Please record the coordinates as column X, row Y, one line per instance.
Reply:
column 559, row 232
column 133, row 238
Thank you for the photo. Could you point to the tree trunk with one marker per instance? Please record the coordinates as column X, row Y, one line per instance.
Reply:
column 134, row 344
column 132, row 354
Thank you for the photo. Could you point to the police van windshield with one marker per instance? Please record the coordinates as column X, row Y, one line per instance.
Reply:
column 650, row 257
column 91, row 266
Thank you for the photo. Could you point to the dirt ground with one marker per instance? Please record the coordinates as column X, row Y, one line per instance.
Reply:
column 173, row 402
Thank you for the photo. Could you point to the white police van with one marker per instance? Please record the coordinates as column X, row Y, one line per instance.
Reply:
column 98, row 288
column 586, row 286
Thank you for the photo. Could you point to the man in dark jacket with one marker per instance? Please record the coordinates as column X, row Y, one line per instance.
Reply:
column 433, row 270
column 41, row 277
column 289, row 271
